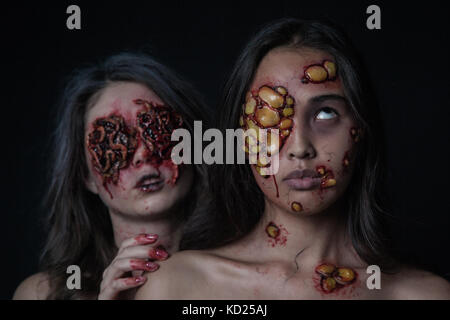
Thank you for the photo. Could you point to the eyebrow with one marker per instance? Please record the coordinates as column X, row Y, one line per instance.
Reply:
column 322, row 98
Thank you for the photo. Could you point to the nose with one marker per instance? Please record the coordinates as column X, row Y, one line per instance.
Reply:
column 299, row 144
column 140, row 156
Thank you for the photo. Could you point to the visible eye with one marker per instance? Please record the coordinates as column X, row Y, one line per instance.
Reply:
column 326, row 113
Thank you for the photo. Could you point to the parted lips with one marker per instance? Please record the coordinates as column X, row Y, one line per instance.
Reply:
column 112, row 143
column 268, row 108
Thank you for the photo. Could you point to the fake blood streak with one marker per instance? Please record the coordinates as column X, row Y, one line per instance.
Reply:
column 276, row 185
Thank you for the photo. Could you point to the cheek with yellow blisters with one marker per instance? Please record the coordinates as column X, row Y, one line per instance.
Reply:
column 267, row 108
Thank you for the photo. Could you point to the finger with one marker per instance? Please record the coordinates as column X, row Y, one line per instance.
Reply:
column 137, row 273
column 158, row 253
column 141, row 239
column 153, row 252
column 119, row 285
column 120, row 266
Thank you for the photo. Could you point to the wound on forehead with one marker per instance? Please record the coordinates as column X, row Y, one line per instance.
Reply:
column 320, row 72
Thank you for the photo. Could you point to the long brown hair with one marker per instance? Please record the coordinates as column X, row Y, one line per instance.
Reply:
column 238, row 201
column 79, row 227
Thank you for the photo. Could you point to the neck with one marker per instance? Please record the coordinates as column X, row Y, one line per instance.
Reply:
column 168, row 231
column 317, row 238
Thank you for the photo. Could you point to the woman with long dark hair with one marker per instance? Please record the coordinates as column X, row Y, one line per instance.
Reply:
column 313, row 227
column 113, row 178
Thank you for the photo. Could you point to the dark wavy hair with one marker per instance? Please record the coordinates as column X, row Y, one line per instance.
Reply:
column 238, row 201
column 79, row 227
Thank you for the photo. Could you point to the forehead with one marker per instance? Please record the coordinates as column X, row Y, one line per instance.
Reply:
column 118, row 98
column 285, row 66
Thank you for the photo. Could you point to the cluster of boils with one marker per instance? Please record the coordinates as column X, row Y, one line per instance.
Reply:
column 332, row 277
column 268, row 108
column 318, row 73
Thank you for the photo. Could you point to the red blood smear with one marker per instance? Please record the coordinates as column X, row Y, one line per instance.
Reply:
column 276, row 185
column 281, row 237
column 105, row 185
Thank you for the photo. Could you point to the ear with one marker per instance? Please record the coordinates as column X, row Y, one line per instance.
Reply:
column 90, row 184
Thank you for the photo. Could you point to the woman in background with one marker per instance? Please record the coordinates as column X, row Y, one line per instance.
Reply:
column 116, row 200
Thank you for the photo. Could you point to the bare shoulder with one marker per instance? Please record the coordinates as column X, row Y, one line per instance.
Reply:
column 417, row 284
column 35, row 287
column 179, row 277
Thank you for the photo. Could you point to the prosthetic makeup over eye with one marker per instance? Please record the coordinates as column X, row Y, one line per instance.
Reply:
column 112, row 143
column 157, row 124
column 268, row 108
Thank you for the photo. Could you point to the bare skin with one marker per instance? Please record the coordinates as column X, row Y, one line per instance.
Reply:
column 257, row 266
column 142, row 221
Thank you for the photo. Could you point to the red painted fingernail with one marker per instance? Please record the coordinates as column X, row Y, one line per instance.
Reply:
column 161, row 253
column 151, row 236
column 140, row 279
column 158, row 253
column 146, row 238
column 150, row 266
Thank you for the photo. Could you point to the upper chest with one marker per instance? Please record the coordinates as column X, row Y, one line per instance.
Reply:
column 272, row 282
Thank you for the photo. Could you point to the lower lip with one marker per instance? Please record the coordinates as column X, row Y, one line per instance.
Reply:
column 306, row 183
column 153, row 187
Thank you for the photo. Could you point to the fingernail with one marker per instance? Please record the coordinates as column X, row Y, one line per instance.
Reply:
column 140, row 279
column 151, row 236
column 161, row 253
column 151, row 266
column 146, row 238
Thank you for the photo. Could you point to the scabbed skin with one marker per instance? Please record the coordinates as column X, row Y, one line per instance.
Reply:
column 112, row 143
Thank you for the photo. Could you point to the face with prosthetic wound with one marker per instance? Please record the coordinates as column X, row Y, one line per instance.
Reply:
column 298, row 92
column 127, row 148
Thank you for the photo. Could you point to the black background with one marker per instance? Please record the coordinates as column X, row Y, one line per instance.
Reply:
column 408, row 60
